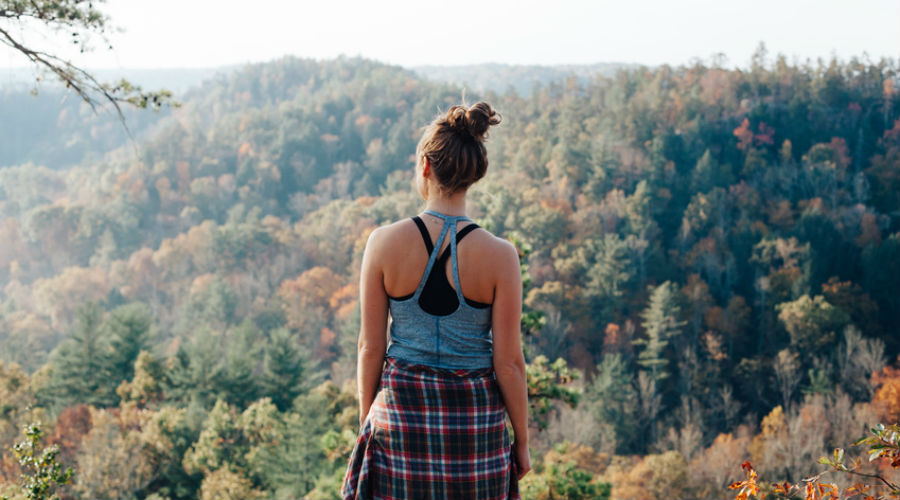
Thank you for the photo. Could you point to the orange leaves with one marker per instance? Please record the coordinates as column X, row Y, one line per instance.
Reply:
column 344, row 300
column 814, row 490
column 859, row 489
column 749, row 486
column 744, row 135
column 316, row 285
column 818, row 491
column 785, row 489
column 614, row 339
column 810, row 492
column 887, row 394
column 883, row 443
column 308, row 298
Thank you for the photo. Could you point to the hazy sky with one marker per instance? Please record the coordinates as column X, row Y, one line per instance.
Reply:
column 207, row 33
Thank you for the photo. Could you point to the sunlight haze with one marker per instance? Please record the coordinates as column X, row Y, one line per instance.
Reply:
column 195, row 34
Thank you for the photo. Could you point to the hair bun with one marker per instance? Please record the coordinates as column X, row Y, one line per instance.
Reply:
column 473, row 121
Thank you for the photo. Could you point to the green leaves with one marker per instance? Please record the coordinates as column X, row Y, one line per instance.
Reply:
column 837, row 462
column 884, row 442
column 546, row 384
column 41, row 473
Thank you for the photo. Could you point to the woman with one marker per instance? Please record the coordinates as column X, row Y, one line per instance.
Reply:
column 433, row 403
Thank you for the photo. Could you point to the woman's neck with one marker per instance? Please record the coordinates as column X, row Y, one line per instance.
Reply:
column 452, row 205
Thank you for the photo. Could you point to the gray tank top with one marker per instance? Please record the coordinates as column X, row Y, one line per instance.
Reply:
column 460, row 339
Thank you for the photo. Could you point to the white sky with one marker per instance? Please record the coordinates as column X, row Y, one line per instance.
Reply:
column 209, row 33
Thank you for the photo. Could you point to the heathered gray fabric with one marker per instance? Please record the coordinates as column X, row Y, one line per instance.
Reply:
column 461, row 339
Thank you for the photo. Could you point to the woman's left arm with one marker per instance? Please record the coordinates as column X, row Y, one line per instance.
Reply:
column 372, row 344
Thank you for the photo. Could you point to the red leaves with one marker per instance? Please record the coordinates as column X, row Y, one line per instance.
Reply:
column 746, row 137
column 765, row 135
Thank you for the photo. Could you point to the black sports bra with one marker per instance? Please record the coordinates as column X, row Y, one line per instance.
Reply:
column 438, row 297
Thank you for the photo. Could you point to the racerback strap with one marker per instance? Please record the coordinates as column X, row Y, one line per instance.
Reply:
column 427, row 237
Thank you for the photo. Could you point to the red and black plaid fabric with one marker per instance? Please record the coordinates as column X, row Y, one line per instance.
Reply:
column 433, row 434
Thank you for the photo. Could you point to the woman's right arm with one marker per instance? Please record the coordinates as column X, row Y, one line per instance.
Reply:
column 509, row 362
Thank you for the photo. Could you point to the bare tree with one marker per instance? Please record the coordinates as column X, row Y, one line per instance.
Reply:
column 858, row 358
column 786, row 374
column 650, row 407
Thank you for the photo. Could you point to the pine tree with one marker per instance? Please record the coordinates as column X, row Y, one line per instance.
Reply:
column 661, row 324
column 81, row 365
column 236, row 380
column 283, row 370
column 128, row 327
column 608, row 276
column 193, row 373
column 616, row 400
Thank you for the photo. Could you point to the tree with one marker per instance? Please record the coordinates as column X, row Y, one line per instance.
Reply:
column 283, row 369
column 146, row 386
column 314, row 444
column 81, row 366
column 114, row 460
column 786, row 368
column 568, row 470
column 221, row 443
column 610, row 273
column 657, row 476
column 546, row 384
column 81, row 19
column 240, row 443
column 661, row 323
column 812, row 323
column 42, row 473
column 129, row 327
column 615, row 399
column 16, row 398
column 883, row 445
column 236, row 380
column 193, row 373
column 225, row 484
column 708, row 174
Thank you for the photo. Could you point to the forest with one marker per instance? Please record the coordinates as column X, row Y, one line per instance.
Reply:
column 710, row 255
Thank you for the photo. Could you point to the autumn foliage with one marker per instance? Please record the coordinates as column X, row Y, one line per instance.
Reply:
column 710, row 262
column 883, row 450
column 887, row 393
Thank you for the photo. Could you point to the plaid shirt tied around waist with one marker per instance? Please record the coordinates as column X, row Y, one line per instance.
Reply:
column 433, row 434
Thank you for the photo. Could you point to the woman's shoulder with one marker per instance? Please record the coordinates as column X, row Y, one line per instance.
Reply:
column 388, row 238
column 386, row 231
column 494, row 245
column 394, row 235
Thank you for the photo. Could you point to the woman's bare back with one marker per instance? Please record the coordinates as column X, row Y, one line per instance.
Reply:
column 406, row 257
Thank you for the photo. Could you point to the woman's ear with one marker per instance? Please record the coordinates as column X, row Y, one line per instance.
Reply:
column 426, row 166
